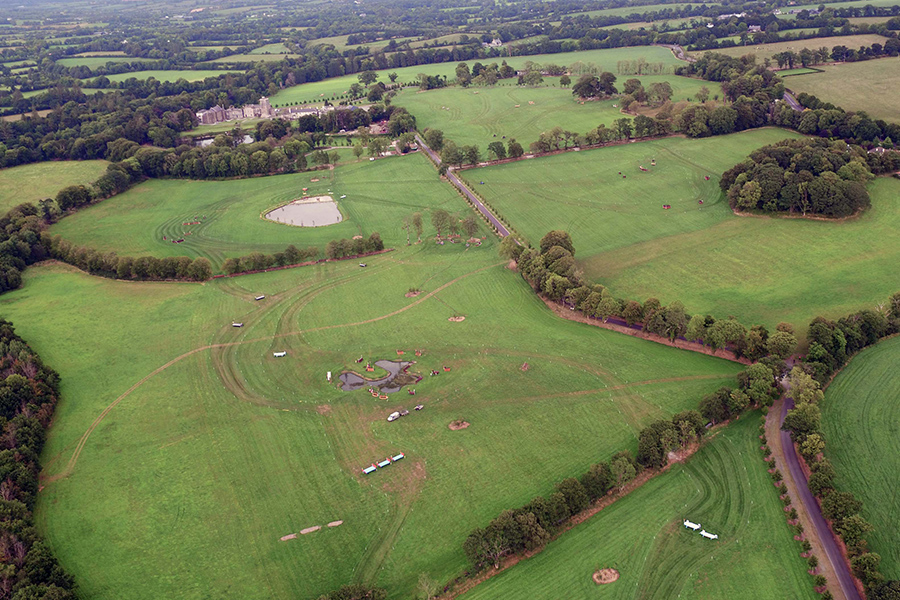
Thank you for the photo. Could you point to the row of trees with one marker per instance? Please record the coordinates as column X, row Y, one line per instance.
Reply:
column 29, row 392
column 551, row 271
column 354, row 247
column 257, row 261
column 831, row 346
column 806, row 176
column 113, row 266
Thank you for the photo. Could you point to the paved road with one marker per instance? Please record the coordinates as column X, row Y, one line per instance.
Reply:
column 834, row 555
column 792, row 102
column 500, row 227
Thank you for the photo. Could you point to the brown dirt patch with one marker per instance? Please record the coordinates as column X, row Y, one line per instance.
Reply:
column 314, row 180
column 457, row 425
column 324, row 409
column 456, row 319
column 310, row 529
column 412, row 294
column 605, row 576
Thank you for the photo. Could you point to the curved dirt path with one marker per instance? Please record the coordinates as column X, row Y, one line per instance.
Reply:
column 79, row 447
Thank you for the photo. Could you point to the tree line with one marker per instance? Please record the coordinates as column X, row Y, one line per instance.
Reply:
column 831, row 346
column 550, row 270
column 805, row 176
column 29, row 392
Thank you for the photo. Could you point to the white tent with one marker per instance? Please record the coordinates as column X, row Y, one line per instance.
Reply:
column 708, row 535
column 691, row 525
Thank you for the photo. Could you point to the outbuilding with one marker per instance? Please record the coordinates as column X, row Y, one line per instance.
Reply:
column 691, row 525
column 708, row 535
column 384, row 463
column 369, row 469
column 260, row 297
column 279, row 354
column 397, row 457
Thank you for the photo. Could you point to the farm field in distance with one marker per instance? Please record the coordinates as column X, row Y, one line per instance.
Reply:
column 868, row 85
column 605, row 59
column 725, row 488
column 763, row 51
column 625, row 240
column 34, row 182
column 170, row 76
column 135, row 223
column 860, row 416
column 226, row 421
column 479, row 116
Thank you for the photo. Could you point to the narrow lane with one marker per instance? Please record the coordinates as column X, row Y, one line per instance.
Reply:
column 502, row 231
column 809, row 504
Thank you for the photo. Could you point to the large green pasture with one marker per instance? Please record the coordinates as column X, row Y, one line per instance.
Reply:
column 169, row 76
column 868, row 85
column 861, row 419
column 30, row 183
column 483, row 115
column 758, row 269
column 380, row 195
column 725, row 488
column 210, row 460
column 606, row 59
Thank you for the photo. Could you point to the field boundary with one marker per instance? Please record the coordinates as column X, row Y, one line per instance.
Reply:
column 303, row 264
column 621, row 327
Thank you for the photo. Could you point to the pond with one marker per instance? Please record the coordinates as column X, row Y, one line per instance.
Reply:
column 317, row 211
column 394, row 381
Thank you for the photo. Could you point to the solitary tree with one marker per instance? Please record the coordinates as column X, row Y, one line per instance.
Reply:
column 417, row 224
column 440, row 219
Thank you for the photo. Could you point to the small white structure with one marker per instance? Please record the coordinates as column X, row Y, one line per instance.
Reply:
column 260, row 297
column 236, row 324
column 708, row 535
column 393, row 416
column 329, row 376
column 343, row 196
column 691, row 525
column 279, row 354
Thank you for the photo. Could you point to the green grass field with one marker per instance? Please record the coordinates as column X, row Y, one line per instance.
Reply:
column 205, row 465
column 30, row 183
column 860, row 416
column 607, row 59
column 483, row 115
column 251, row 57
column 628, row 10
column 763, row 51
column 867, row 85
column 725, row 488
column 171, row 75
column 93, row 62
column 278, row 48
column 761, row 270
column 379, row 195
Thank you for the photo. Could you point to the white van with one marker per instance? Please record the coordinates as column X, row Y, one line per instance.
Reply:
column 393, row 416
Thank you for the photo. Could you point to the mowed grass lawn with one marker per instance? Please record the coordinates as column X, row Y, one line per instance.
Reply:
column 31, row 183
column 380, row 195
column 206, row 465
column 870, row 86
column 761, row 270
column 483, row 115
column 93, row 62
column 861, row 419
column 725, row 488
column 607, row 59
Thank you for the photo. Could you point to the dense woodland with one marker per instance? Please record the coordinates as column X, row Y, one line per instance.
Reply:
column 29, row 391
column 808, row 176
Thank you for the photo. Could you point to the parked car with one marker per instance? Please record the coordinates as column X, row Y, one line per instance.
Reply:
column 393, row 416
column 420, row 406
column 404, row 412
column 362, row 264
